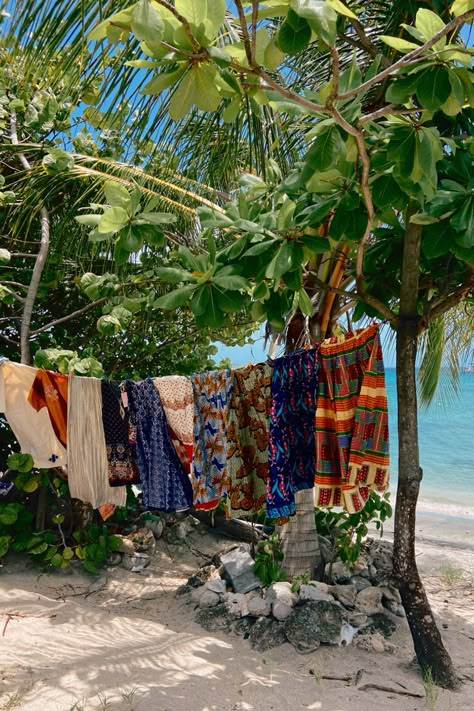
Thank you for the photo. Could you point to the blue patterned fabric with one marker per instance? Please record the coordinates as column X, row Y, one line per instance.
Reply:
column 292, row 445
column 166, row 486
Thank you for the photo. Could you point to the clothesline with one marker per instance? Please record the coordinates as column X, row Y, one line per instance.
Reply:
column 254, row 436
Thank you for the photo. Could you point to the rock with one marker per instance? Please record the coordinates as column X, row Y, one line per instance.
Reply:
column 346, row 594
column 313, row 623
column 267, row 633
column 113, row 558
column 238, row 566
column 126, row 545
column 326, row 549
column 217, row 586
column 340, row 574
column 214, row 619
column 197, row 592
column 243, row 625
column 143, row 540
column 183, row 590
column 373, row 573
column 394, row 608
column 389, row 592
column 153, row 523
column 281, row 591
column 259, row 607
column 207, row 572
column 369, row 601
column 361, row 583
column 236, row 604
column 361, row 567
column 136, row 562
column 281, row 610
column 372, row 643
column 208, row 599
column 382, row 623
column 377, row 643
column 356, row 619
column 315, row 592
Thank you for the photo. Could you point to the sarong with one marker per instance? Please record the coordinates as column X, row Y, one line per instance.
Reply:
column 165, row 484
column 88, row 468
column 247, row 437
column 123, row 468
column 352, row 440
column 176, row 393
column 209, row 471
column 292, row 446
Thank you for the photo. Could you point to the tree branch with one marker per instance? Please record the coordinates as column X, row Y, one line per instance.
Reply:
column 245, row 32
column 411, row 56
column 70, row 316
column 183, row 21
column 8, row 340
column 453, row 299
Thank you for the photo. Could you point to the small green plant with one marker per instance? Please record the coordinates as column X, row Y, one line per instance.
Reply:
column 345, row 532
column 269, row 559
column 51, row 547
column 300, row 580
column 450, row 575
column 431, row 689
column 129, row 696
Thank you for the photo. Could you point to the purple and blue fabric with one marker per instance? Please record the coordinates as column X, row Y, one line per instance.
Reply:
column 292, row 445
column 165, row 484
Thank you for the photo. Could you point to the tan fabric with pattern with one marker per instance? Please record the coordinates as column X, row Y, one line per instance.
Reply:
column 176, row 393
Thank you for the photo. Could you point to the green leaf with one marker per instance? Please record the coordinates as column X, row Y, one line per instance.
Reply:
column 304, row 303
column 5, row 256
column 205, row 93
column 109, row 324
column 41, row 548
column 463, row 221
column 291, row 41
column 350, row 224
column 20, row 462
column 428, row 23
column 401, row 89
column 68, row 553
column 232, row 282
column 341, row 9
column 163, row 81
column 89, row 220
column 4, row 545
column 113, row 220
column 325, row 147
column 59, row 518
column 175, row 299
column 401, row 45
column 386, row 192
column 147, row 24
column 117, row 195
column 155, row 218
column 57, row 560
column 459, row 7
column 182, row 98
column 8, row 514
column 273, row 56
column 281, row 262
column 317, row 245
column 173, row 275
column 433, row 87
column 232, row 110
column 129, row 240
column 321, row 17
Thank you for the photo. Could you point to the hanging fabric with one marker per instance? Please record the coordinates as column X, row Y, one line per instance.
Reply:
column 209, row 471
column 121, row 457
column 292, row 446
column 88, row 468
column 165, row 484
column 176, row 394
column 247, row 437
column 352, row 452
column 50, row 390
column 32, row 429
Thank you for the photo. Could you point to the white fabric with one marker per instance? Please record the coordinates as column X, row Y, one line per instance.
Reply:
column 88, row 469
column 32, row 429
column 177, row 398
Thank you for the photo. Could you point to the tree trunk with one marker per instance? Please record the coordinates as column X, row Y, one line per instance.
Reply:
column 430, row 651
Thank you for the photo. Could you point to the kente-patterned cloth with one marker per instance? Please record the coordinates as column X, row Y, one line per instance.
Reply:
column 352, row 441
column 176, row 393
column 247, row 438
column 165, row 485
column 50, row 390
column 292, row 447
column 123, row 468
column 210, row 481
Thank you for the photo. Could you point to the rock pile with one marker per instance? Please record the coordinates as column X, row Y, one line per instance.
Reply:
column 358, row 605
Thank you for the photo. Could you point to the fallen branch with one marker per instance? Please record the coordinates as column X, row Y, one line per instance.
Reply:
column 390, row 690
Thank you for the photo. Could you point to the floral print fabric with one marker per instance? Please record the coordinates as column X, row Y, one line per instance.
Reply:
column 292, row 446
column 209, row 472
column 165, row 484
column 247, row 437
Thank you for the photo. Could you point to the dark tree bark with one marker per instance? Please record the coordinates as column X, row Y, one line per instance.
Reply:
column 430, row 651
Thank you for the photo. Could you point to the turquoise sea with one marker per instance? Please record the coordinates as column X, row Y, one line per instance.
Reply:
column 446, row 435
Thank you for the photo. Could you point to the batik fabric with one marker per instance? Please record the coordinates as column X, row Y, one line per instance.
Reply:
column 176, row 393
column 50, row 390
column 33, row 429
column 165, row 485
column 210, row 480
column 247, row 438
column 121, row 457
column 88, row 468
column 352, row 440
column 292, row 446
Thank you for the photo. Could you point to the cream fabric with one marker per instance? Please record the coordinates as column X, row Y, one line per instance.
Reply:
column 177, row 398
column 88, row 469
column 32, row 429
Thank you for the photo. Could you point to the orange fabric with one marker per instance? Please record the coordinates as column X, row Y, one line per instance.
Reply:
column 50, row 390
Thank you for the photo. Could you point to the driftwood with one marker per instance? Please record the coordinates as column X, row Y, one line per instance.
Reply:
column 390, row 690
column 233, row 528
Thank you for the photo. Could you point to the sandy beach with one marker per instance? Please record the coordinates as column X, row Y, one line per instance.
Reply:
column 124, row 641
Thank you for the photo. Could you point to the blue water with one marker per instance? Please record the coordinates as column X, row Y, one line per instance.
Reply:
column 446, row 437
